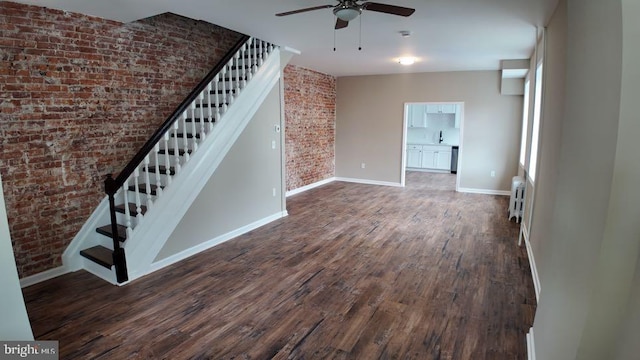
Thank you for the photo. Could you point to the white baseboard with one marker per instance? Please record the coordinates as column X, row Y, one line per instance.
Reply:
column 43, row 276
column 484, row 191
column 368, row 182
column 531, row 347
column 309, row 187
column 532, row 262
column 213, row 242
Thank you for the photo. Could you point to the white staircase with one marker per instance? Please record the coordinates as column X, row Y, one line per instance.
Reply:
column 150, row 196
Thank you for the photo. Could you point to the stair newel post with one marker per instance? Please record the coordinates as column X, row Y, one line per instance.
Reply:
column 119, row 259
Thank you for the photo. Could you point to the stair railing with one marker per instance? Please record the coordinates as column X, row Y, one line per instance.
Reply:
column 206, row 103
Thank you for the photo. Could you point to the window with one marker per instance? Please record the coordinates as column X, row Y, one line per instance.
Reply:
column 535, row 131
column 525, row 123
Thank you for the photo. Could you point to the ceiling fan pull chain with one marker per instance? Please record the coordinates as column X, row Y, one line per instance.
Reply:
column 334, row 39
column 360, row 36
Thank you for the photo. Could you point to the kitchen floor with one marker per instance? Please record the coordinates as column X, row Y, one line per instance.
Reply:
column 434, row 181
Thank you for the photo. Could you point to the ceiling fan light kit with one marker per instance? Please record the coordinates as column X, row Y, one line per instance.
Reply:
column 347, row 13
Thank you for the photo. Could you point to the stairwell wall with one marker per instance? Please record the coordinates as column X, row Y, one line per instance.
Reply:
column 79, row 96
column 246, row 187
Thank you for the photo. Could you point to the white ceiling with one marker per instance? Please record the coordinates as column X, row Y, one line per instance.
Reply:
column 447, row 35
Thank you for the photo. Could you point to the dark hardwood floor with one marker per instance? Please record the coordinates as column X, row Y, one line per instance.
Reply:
column 354, row 272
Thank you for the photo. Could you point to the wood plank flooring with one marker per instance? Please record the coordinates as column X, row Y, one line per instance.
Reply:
column 354, row 272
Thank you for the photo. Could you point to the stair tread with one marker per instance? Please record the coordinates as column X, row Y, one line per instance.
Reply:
column 211, row 105
column 197, row 119
column 143, row 188
column 106, row 230
column 132, row 209
column 173, row 151
column 162, row 169
column 189, row 136
column 100, row 255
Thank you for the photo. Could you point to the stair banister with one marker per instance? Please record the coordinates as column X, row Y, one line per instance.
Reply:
column 112, row 185
column 157, row 136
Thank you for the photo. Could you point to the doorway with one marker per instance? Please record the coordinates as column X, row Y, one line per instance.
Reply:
column 432, row 138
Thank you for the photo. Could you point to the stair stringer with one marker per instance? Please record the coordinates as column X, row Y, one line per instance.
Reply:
column 149, row 237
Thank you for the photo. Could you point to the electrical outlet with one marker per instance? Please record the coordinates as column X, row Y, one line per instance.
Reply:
column 493, row 173
column 273, row 144
column 274, row 192
column 363, row 165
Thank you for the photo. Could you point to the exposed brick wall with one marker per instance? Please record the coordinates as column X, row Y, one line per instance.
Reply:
column 310, row 124
column 79, row 96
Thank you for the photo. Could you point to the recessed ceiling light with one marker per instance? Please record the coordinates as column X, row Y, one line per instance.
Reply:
column 407, row 60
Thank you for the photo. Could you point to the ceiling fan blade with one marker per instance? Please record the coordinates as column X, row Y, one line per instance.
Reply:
column 388, row 9
column 305, row 10
column 341, row 24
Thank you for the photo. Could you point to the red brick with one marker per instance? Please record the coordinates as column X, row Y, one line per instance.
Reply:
column 70, row 100
column 310, row 117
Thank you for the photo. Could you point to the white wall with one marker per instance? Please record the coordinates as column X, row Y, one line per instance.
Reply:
column 240, row 192
column 550, row 136
column 594, row 239
column 14, row 323
column 369, row 125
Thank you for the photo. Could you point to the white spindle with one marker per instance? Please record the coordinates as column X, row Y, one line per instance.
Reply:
column 224, row 90
column 254, row 56
column 210, row 115
column 127, row 213
column 167, row 160
column 238, row 72
column 136, row 189
column 260, row 52
column 185, row 139
column 232, row 82
column 176, row 148
column 193, row 125
column 216, row 81
column 147, row 182
column 202, row 118
column 156, row 149
column 243, row 56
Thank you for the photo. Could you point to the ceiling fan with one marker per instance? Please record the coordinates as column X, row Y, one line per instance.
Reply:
column 347, row 10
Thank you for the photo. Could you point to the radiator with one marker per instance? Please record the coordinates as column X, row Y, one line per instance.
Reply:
column 516, row 203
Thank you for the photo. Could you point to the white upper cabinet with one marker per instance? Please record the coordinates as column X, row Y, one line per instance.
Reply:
column 442, row 108
column 417, row 116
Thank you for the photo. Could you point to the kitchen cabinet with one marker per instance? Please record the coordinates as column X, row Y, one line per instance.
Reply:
column 435, row 157
column 418, row 116
column 441, row 108
column 414, row 156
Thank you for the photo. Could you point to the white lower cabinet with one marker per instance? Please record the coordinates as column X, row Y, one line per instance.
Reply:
column 436, row 157
column 414, row 156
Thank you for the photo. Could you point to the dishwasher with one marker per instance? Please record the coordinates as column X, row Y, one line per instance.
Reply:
column 454, row 159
